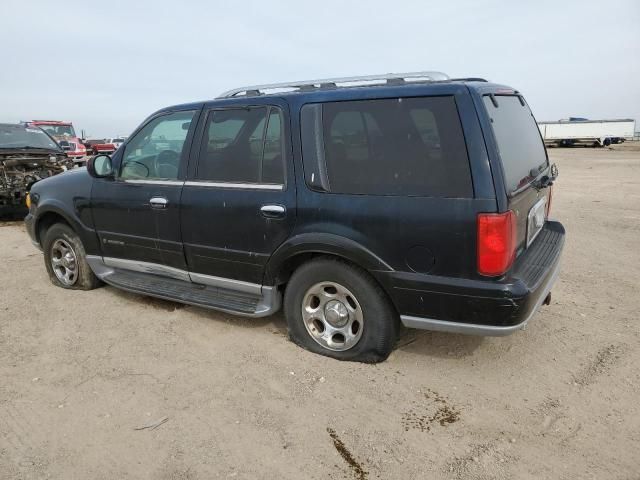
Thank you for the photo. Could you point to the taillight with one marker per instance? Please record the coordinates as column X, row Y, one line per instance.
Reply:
column 496, row 242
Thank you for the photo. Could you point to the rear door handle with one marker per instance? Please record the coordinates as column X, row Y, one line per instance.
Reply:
column 158, row 202
column 273, row 211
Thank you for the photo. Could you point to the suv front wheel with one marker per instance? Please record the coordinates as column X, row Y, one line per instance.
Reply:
column 66, row 260
column 338, row 310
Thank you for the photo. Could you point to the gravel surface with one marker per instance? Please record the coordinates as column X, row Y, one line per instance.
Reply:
column 106, row 384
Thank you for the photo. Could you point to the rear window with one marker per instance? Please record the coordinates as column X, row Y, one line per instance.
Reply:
column 519, row 144
column 243, row 145
column 398, row 146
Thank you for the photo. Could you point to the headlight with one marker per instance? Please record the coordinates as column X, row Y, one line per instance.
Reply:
column 27, row 200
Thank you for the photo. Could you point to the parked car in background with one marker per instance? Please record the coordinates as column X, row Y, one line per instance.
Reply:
column 95, row 146
column 108, row 145
column 358, row 204
column 65, row 135
column 89, row 143
column 27, row 155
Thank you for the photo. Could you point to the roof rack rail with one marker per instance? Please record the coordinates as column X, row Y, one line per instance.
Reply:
column 328, row 83
column 469, row 79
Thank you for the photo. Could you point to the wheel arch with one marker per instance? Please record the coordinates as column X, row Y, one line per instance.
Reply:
column 48, row 218
column 305, row 247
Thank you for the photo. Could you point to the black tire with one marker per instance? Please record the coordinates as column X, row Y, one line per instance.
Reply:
column 380, row 324
column 84, row 278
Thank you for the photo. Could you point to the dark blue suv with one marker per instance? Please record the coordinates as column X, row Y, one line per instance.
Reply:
column 360, row 204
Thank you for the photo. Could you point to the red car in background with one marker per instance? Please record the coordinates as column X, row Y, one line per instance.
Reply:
column 107, row 145
column 65, row 135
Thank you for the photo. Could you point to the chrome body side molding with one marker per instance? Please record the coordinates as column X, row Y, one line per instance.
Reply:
column 142, row 181
column 269, row 297
column 241, row 186
column 144, row 267
column 229, row 283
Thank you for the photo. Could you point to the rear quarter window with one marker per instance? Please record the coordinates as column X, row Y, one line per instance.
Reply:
column 398, row 146
column 520, row 146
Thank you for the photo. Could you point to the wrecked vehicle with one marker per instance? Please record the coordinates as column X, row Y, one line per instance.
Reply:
column 27, row 154
column 65, row 135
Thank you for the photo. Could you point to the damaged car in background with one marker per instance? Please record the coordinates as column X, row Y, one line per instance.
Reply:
column 27, row 154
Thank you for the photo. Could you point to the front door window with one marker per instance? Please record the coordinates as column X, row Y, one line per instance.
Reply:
column 156, row 150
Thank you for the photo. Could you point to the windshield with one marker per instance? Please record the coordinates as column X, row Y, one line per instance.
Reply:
column 59, row 130
column 19, row 136
column 519, row 144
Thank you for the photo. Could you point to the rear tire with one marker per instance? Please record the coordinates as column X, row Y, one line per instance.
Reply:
column 66, row 260
column 338, row 310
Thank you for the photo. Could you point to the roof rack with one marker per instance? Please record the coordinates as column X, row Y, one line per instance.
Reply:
column 328, row 83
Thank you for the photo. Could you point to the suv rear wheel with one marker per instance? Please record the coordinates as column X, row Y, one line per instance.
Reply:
column 338, row 310
column 66, row 260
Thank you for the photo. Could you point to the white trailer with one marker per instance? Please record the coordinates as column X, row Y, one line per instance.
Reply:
column 602, row 133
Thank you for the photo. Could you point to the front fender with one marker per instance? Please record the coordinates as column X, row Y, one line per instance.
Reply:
column 323, row 243
column 67, row 196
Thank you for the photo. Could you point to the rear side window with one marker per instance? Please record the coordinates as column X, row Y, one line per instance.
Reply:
column 399, row 146
column 519, row 144
column 243, row 145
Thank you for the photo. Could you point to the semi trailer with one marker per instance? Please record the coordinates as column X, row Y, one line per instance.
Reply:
column 578, row 131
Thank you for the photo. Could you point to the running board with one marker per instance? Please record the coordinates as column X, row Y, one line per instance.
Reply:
column 200, row 295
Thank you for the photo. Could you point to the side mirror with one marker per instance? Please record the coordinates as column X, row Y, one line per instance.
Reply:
column 100, row 166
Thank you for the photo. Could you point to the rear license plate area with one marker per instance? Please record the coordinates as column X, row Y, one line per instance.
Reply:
column 536, row 219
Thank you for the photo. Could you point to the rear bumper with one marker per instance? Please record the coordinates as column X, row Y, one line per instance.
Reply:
column 481, row 307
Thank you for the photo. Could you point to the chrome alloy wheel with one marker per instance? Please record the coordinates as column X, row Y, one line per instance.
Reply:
column 332, row 316
column 64, row 262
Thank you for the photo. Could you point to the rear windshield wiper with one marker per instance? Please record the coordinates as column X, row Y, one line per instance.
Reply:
column 537, row 179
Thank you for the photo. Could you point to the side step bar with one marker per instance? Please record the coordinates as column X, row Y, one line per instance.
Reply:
column 208, row 296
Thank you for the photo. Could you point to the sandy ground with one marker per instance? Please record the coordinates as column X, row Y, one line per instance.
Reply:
column 81, row 372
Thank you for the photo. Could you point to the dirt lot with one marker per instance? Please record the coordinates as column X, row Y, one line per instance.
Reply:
column 81, row 372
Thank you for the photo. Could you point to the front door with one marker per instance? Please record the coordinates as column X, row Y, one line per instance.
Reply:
column 238, row 203
column 137, row 214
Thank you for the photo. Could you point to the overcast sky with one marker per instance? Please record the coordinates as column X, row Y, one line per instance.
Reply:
column 107, row 64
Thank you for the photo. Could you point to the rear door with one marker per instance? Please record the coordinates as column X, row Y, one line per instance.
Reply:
column 393, row 174
column 523, row 158
column 238, row 203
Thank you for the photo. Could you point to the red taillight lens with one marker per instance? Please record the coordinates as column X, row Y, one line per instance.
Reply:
column 496, row 242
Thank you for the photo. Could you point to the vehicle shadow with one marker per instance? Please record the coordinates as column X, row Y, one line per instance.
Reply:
column 275, row 322
column 438, row 344
column 12, row 217
column 418, row 342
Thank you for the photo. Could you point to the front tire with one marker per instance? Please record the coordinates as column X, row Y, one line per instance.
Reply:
column 66, row 260
column 338, row 310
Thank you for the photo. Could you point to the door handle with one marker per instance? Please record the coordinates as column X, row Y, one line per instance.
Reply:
column 158, row 202
column 273, row 211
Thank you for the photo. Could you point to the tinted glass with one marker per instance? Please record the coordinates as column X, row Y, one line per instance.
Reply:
column 19, row 136
column 242, row 145
column 272, row 162
column 519, row 144
column 155, row 152
column 59, row 130
column 400, row 146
